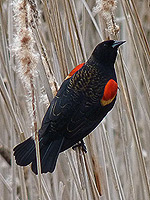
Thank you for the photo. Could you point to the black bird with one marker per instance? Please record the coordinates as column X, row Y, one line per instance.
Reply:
column 83, row 100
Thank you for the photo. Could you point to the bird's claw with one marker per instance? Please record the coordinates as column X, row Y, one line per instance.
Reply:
column 82, row 145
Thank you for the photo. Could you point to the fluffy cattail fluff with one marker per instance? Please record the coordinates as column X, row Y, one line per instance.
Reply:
column 23, row 47
column 24, row 42
column 106, row 9
column 43, row 97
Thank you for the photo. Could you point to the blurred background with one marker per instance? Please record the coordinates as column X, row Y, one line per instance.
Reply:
column 40, row 43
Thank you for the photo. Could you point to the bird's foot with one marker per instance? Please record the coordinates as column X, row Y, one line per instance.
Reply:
column 82, row 145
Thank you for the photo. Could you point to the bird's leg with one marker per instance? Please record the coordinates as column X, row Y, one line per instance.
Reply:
column 82, row 145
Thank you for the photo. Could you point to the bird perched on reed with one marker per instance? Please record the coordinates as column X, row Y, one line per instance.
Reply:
column 85, row 97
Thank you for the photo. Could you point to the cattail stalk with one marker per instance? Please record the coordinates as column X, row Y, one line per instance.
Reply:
column 27, row 62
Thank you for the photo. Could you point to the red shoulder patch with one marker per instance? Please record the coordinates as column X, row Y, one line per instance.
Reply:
column 110, row 92
column 74, row 70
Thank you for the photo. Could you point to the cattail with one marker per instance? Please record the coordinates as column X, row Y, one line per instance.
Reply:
column 24, row 12
column 24, row 50
column 106, row 9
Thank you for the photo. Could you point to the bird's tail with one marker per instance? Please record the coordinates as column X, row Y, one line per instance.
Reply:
column 25, row 154
column 49, row 154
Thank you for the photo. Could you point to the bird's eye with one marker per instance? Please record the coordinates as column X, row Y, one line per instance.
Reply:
column 105, row 45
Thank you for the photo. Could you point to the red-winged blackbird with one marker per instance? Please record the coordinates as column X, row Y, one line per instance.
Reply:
column 83, row 100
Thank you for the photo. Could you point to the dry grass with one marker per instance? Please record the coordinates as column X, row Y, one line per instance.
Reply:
column 62, row 34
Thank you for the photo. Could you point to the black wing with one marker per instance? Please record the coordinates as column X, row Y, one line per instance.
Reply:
column 60, row 111
column 72, row 113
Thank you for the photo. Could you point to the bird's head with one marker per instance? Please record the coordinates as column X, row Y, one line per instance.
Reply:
column 106, row 51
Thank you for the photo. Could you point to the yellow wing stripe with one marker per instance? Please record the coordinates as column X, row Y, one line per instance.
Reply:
column 104, row 103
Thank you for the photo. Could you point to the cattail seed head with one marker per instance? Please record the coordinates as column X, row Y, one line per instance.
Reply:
column 106, row 9
column 23, row 46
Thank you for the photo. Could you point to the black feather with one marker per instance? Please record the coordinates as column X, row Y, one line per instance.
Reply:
column 25, row 152
column 49, row 154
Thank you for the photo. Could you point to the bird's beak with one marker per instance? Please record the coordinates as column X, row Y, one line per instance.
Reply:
column 116, row 43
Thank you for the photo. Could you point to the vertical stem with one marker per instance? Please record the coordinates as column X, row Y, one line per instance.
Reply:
column 36, row 137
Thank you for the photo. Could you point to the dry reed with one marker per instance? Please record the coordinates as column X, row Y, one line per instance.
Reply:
column 117, row 165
